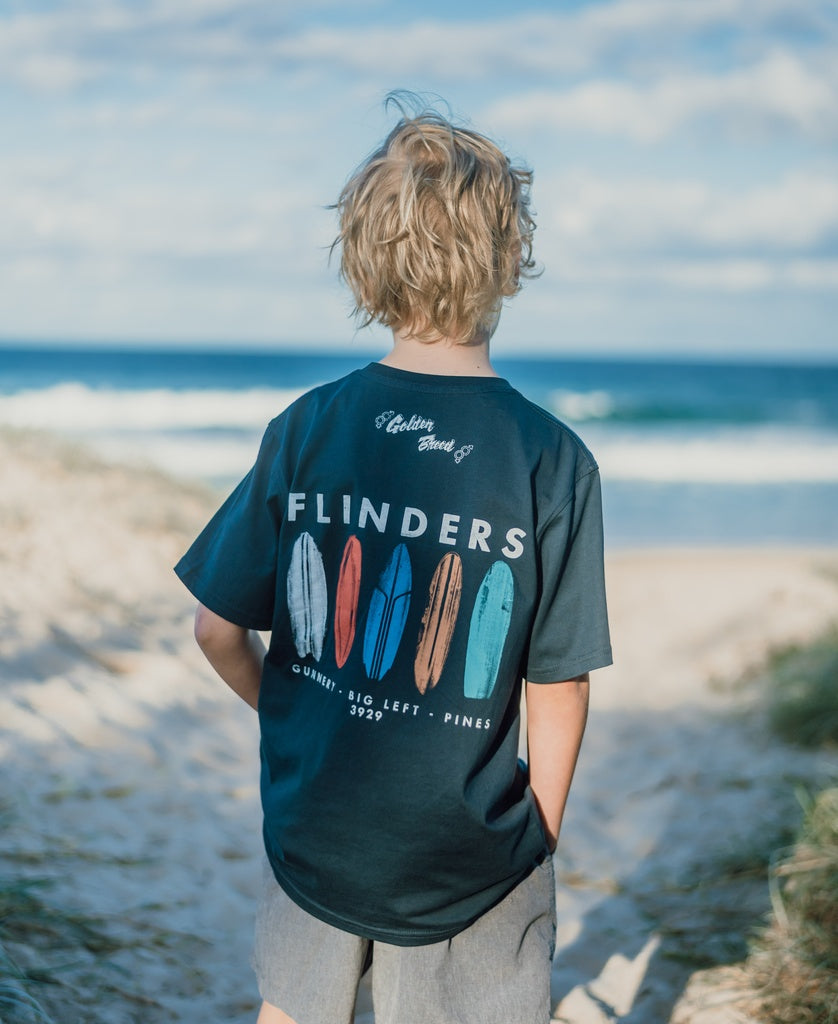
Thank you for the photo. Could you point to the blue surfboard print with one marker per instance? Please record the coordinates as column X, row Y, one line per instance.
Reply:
column 307, row 597
column 388, row 609
column 487, row 632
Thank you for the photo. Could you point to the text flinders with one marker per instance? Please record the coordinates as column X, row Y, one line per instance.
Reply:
column 449, row 528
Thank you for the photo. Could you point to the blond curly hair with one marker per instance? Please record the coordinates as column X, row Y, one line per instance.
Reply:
column 435, row 230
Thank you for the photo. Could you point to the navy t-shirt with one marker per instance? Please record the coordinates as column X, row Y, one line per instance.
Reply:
column 416, row 545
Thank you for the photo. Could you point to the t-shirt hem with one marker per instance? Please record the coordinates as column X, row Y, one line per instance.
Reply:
column 569, row 670
column 191, row 580
column 393, row 937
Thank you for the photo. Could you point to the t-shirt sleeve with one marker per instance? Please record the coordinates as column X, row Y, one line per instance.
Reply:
column 231, row 567
column 570, row 630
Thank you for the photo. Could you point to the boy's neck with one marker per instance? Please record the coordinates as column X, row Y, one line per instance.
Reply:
column 443, row 356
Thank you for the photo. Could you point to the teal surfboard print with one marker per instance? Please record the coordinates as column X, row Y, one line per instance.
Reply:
column 307, row 597
column 487, row 631
column 387, row 614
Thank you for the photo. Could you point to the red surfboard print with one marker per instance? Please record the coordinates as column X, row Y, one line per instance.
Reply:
column 346, row 600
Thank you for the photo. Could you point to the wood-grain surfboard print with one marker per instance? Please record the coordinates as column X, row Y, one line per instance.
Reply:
column 307, row 597
column 388, row 610
column 346, row 600
column 487, row 631
column 438, row 622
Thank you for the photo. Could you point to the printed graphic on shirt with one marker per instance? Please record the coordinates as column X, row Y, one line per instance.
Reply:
column 438, row 622
column 487, row 624
column 380, row 708
column 307, row 597
column 487, row 632
column 387, row 615
column 393, row 422
column 346, row 600
column 449, row 528
column 371, row 631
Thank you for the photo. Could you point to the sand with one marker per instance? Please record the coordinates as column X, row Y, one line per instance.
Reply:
column 129, row 773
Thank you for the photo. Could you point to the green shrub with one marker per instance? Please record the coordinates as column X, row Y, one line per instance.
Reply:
column 803, row 693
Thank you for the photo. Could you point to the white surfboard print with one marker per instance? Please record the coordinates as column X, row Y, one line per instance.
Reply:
column 307, row 597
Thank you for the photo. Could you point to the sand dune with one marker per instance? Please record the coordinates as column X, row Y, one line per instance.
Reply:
column 130, row 773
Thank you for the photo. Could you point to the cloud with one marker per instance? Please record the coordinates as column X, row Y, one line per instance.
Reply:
column 689, row 235
column 85, row 252
column 716, row 276
column 615, row 36
column 66, row 212
column 777, row 94
column 591, row 213
column 67, row 46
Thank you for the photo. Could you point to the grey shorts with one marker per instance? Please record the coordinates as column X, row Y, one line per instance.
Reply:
column 496, row 971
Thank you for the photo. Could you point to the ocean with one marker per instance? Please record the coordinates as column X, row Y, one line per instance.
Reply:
column 691, row 453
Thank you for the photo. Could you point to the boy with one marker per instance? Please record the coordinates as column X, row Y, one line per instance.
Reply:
column 419, row 539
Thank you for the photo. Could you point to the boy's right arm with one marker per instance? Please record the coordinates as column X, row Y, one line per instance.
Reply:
column 235, row 653
column 556, row 718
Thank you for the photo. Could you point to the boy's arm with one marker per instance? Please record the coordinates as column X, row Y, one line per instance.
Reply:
column 556, row 717
column 235, row 653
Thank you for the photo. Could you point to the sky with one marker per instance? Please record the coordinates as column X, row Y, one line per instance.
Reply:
column 167, row 167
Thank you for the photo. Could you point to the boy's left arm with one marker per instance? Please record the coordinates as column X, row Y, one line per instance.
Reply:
column 556, row 718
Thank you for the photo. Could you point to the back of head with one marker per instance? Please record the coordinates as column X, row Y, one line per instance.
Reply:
column 435, row 230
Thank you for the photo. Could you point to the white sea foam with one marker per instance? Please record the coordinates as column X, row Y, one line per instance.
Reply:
column 219, row 461
column 747, row 456
column 578, row 406
column 214, row 435
column 76, row 408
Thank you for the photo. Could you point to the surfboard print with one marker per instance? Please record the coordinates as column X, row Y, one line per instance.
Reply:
column 489, row 625
column 346, row 600
column 307, row 597
column 438, row 622
column 388, row 610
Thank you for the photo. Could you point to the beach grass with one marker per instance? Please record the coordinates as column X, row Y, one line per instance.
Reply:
column 59, row 963
column 803, row 692
column 28, row 923
column 793, row 965
column 49, row 953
